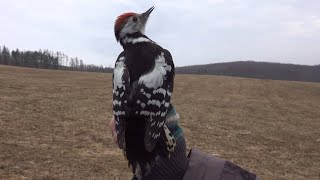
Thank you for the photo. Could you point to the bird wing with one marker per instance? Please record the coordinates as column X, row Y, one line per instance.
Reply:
column 152, row 98
column 121, row 90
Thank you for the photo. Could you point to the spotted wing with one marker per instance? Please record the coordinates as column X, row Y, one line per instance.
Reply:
column 153, row 98
column 121, row 88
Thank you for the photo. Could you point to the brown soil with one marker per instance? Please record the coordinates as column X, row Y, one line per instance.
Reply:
column 53, row 124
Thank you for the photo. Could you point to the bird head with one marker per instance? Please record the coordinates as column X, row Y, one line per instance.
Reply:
column 129, row 23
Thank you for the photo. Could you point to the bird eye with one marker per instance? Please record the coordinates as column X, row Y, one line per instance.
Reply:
column 134, row 19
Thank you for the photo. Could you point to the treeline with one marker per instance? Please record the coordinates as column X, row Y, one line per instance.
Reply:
column 259, row 70
column 46, row 59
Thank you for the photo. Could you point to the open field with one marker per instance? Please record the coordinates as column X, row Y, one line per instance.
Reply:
column 53, row 124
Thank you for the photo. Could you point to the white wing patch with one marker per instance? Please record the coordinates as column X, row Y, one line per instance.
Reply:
column 118, row 73
column 154, row 79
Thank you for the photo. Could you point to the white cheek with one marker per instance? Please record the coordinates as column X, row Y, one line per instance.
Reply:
column 129, row 28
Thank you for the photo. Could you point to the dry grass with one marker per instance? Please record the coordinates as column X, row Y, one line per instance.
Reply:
column 53, row 124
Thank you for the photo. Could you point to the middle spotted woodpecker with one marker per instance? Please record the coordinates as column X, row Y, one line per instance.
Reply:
column 142, row 87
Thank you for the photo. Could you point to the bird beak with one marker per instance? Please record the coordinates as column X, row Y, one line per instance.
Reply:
column 146, row 14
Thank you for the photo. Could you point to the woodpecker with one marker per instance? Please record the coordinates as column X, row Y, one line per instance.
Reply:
column 143, row 80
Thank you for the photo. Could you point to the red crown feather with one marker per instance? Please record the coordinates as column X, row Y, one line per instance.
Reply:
column 122, row 18
column 120, row 22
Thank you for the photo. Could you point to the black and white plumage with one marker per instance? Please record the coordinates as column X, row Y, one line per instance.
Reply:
column 142, row 87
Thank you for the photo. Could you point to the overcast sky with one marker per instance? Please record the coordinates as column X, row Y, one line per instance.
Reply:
column 196, row 32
